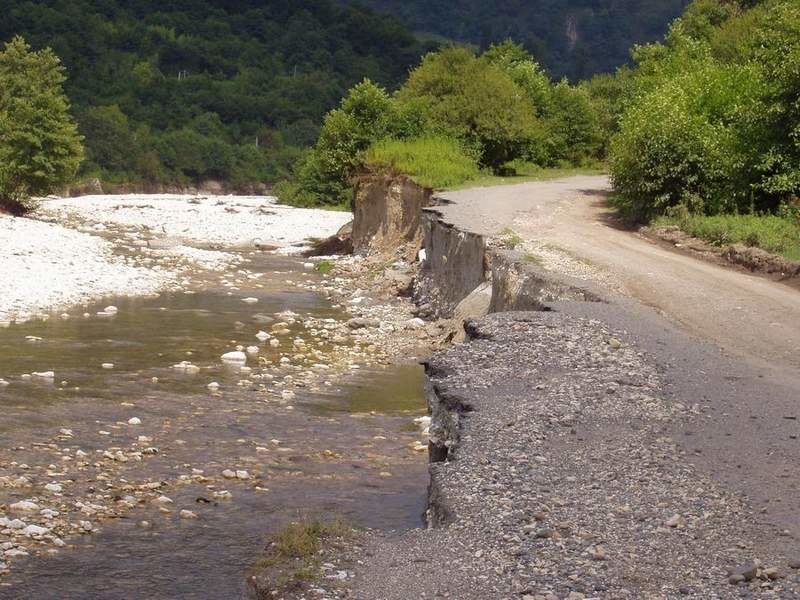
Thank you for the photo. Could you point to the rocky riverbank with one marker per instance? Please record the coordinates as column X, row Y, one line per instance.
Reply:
column 134, row 457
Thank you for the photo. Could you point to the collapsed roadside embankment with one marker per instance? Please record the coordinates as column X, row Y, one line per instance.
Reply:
column 555, row 470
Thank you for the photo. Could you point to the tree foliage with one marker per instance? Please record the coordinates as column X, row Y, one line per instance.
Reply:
column 39, row 143
column 711, row 121
column 470, row 99
column 170, row 91
column 490, row 110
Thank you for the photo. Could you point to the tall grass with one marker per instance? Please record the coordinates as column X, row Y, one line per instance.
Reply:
column 774, row 234
column 434, row 162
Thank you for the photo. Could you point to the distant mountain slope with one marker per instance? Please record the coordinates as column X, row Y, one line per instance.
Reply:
column 576, row 38
column 181, row 90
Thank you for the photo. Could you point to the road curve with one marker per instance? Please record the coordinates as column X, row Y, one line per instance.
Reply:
column 744, row 314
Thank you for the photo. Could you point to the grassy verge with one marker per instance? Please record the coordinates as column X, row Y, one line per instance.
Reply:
column 525, row 172
column 293, row 558
column 776, row 235
column 434, row 162
column 324, row 266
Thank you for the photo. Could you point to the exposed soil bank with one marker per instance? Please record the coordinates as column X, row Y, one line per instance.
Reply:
column 460, row 264
column 386, row 214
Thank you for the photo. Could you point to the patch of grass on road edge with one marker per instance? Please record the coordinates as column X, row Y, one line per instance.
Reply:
column 433, row 162
column 324, row 266
column 510, row 238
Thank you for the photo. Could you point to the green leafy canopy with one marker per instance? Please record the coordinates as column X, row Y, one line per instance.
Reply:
column 40, row 148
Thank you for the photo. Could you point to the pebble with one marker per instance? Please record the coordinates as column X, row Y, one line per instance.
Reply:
column 107, row 365
column 35, row 531
column 250, row 300
column 213, row 386
column 183, row 367
column 673, row 521
column 746, row 572
column 234, row 357
column 25, row 506
column 363, row 323
column 415, row 323
column 53, row 487
column 134, row 421
column 187, row 514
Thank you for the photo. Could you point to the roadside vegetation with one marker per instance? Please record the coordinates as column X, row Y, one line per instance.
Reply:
column 434, row 162
column 709, row 126
column 773, row 233
column 457, row 117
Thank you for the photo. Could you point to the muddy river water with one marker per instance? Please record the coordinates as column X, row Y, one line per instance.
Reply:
column 148, row 484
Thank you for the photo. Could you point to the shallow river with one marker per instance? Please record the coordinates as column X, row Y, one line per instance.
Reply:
column 340, row 449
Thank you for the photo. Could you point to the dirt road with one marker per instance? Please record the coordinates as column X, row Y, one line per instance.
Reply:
column 567, row 224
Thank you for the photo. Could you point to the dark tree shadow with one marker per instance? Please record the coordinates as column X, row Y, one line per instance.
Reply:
column 607, row 214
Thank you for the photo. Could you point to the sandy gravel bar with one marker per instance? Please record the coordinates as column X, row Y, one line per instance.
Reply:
column 218, row 220
column 46, row 266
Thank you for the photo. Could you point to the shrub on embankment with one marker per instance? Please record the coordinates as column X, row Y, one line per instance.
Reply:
column 433, row 162
column 711, row 120
column 483, row 112
column 40, row 148
column 773, row 233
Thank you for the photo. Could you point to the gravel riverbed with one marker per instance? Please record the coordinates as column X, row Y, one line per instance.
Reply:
column 74, row 250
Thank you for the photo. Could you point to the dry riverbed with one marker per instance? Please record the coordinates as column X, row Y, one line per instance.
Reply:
column 158, row 429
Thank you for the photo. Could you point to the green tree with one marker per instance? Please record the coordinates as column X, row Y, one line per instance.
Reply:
column 687, row 143
column 521, row 66
column 470, row 99
column 573, row 124
column 40, row 147
column 110, row 143
column 365, row 115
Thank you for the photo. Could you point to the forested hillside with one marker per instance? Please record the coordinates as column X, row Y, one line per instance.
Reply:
column 576, row 38
column 170, row 91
